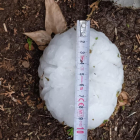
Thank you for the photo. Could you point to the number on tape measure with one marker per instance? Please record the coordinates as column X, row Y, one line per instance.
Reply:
column 82, row 80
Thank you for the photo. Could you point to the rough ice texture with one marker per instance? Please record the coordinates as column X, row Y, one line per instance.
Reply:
column 127, row 3
column 57, row 77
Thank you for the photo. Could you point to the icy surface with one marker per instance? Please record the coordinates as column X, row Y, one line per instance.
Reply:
column 57, row 77
column 127, row 3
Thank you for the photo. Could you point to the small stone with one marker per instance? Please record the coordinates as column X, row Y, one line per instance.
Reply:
column 25, row 64
column 115, row 128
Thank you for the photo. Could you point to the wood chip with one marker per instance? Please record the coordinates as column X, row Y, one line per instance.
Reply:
column 5, row 28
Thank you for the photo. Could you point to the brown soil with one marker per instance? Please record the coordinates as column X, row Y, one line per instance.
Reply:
column 23, row 116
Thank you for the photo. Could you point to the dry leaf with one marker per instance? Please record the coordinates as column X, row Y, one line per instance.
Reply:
column 26, row 46
column 30, row 103
column 2, row 107
column 123, row 98
column 54, row 23
column 40, row 37
column 122, row 103
column 41, row 105
column 27, row 98
column 54, row 20
column 15, row 31
column 124, row 95
column 8, row 47
column 42, row 47
column 25, row 64
column 2, row 9
column 103, row 124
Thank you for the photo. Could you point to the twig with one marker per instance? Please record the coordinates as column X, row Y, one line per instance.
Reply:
column 94, row 23
column 110, row 132
column 133, row 127
column 8, row 93
column 138, row 38
column 137, row 134
column 94, row 6
column 131, row 114
column 5, row 28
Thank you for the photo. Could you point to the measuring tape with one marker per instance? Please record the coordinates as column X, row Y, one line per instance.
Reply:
column 82, row 80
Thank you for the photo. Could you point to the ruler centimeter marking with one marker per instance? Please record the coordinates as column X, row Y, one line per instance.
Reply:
column 82, row 80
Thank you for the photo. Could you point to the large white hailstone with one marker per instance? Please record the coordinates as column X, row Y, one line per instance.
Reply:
column 57, row 77
column 127, row 3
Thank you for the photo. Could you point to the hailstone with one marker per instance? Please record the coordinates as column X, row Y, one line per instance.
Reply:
column 127, row 3
column 57, row 77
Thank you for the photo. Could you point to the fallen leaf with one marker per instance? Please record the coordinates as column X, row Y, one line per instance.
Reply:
column 54, row 19
column 54, row 23
column 22, row 94
column 124, row 95
column 103, row 124
column 122, row 103
column 42, row 47
column 15, row 31
column 2, row 9
column 25, row 64
column 8, row 47
column 27, row 98
column 40, row 37
column 26, row 46
column 1, row 107
column 41, row 105
column 123, row 98
column 30, row 103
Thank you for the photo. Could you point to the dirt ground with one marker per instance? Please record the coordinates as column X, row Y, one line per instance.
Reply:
column 23, row 115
